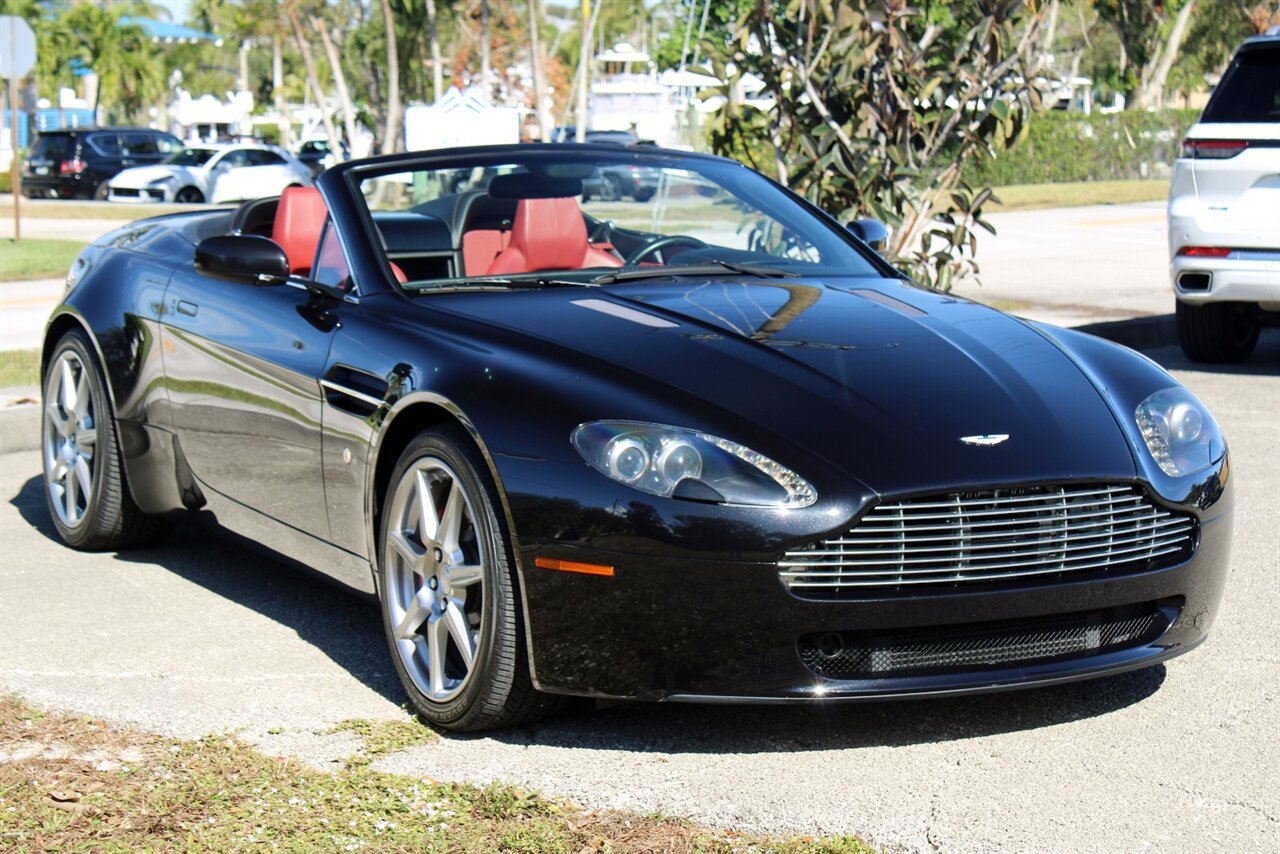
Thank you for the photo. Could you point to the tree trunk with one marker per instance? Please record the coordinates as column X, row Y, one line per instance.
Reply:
column 309, row 63
column 1151, row 92
column 539, row 87
column 486, row 82
column 391, row 136
column 437, row 72
column 339, row 81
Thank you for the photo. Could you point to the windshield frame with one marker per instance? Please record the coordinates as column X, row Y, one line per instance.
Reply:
column 345, row 180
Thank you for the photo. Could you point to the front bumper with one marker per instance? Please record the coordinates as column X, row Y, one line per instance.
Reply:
column 138, row 195
column 722, row 631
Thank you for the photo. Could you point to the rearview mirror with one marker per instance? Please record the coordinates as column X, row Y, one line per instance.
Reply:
column 246, row 256
column 871, row 232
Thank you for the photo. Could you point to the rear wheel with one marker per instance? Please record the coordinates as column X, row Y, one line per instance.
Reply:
column 189, row 196
column 449, row 600
column 85, row 487
column 1218, row 332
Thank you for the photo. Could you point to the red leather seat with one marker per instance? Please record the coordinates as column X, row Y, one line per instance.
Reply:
column 549, row 234
column 299, row 220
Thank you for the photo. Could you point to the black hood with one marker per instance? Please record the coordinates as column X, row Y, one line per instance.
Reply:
column 878, row 378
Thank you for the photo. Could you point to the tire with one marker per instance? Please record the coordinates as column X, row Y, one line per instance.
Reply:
column 612, row 188
column 81, row 453
column 1218, row 332
column 454, row 588
column 101, row 193
column 644, row 195
column 188, row 196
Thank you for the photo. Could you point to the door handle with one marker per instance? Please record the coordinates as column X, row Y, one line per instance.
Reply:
column 187, row 308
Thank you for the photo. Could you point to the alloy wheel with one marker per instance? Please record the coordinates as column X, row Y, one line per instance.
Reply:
column 435, row 579
column 70, row 438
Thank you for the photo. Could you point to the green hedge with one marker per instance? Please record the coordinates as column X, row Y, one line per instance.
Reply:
column 1062, row 147
column 6, row 181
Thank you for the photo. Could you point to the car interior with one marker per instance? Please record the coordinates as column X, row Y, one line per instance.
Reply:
column 520, row 223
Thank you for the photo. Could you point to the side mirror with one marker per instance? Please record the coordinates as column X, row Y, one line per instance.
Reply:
column 244, row 256
column 871, row 232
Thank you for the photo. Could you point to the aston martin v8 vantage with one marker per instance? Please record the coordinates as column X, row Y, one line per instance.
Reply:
column 708, row 446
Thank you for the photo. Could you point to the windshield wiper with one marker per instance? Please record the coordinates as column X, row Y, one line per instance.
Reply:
column 712, row 267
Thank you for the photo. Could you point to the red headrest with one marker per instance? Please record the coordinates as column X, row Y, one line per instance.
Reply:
column 299, row 221
column 550, row 233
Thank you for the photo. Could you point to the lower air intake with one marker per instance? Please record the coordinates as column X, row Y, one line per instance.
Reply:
column 1030, row 640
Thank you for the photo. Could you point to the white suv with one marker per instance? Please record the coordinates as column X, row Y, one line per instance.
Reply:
column 1224, row 210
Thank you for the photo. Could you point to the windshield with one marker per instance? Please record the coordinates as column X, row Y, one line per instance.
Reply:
column 190, row 157
column 590, row 216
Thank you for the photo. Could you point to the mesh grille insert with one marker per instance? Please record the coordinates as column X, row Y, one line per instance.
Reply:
column 1036, row 533
column 853, row 655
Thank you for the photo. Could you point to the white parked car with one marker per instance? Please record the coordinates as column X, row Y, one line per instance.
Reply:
column 1224, row 210
column 211, row 173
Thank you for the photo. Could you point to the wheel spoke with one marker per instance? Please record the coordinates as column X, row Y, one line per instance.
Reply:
column 60, row 422
column 83, row 478
column 416, row 613
column 87, row 440
column 437, row 645
column 406, row 550
column 429, row 524
column 82, row 394
column 451, row 519
column 465, row 574
column 67, row 387
column 456, row 621
column 70, row 497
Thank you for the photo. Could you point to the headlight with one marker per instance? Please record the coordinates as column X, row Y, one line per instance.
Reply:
column 669, row 461
column 161, row 182
column 1179, row 432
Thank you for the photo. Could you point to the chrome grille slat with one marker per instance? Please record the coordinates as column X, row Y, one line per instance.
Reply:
column 993, row 523
column 1144, row 537
column 991, row 535
column 976, row 577
column 1006, row 539
column 1169, row 540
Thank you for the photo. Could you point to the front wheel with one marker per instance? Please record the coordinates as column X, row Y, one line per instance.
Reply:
column 189, row 196
column 104, row 190
column 449, row 601
column 85, row 487
column 1219, row 331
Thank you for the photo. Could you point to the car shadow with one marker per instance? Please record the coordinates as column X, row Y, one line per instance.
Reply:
column 345, row 627
column 348, row 629
column 1265, row 360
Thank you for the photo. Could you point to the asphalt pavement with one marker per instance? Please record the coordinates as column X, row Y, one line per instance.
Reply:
column 201, row 634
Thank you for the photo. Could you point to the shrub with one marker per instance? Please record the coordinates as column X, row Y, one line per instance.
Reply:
column 1062, row 147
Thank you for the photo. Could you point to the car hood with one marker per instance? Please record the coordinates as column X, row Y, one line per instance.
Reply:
column 878, row 378
column 138, row 177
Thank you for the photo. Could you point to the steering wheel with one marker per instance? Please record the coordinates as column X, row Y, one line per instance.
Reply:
column 660, row 244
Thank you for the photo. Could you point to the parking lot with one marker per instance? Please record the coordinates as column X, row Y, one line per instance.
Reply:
column 202, row 635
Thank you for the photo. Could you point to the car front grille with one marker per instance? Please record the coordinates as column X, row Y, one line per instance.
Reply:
column 963, row 538
column 125, row 192
column 998, row 643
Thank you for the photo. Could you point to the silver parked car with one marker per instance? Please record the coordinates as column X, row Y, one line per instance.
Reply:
column 1224, row 210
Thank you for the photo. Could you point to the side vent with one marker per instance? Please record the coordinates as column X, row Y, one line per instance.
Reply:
column 353, row 391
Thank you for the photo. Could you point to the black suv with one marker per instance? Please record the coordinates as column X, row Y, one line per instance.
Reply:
column 66, row 164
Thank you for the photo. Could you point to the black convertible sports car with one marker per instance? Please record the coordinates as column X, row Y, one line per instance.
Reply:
column 706, row 447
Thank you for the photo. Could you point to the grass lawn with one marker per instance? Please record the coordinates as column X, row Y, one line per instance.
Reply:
column 36, row 258
column 115, row 790
column 1019, row 197
column 19, row 368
